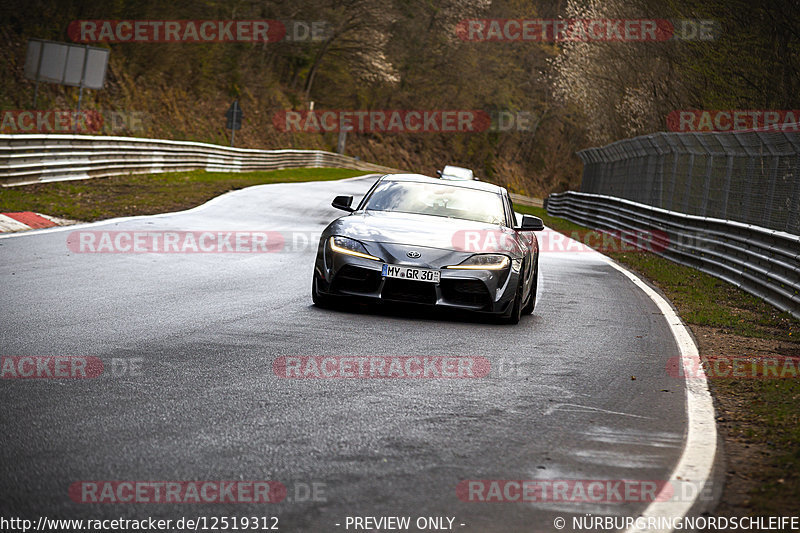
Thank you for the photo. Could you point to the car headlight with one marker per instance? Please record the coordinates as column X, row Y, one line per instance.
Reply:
column 484, row 262
column 345, row 245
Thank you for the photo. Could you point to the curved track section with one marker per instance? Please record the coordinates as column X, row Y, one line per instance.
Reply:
column 579, row 390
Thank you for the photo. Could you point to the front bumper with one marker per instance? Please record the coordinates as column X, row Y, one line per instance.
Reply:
column 486, row 291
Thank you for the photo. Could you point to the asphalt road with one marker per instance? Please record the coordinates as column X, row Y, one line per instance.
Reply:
column 560, row 402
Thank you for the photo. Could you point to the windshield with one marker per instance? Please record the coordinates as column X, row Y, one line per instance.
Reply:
column 437, row 200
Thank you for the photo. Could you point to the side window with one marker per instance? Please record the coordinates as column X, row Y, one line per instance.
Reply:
column 511, row 218
column 363, row 201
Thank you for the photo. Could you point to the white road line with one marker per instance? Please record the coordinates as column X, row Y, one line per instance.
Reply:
column 694, row 468
column 699, row 450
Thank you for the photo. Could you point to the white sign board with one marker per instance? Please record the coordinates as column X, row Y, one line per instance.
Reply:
column 67, row 64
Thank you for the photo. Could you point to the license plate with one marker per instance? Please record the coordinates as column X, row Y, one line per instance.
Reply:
column 412, row 273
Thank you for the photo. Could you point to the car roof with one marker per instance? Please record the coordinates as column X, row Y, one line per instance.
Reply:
column 453, row 168
column 479, row 185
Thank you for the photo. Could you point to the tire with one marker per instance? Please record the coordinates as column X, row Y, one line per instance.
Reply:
column 320, row 300
column 528, row 309
column 515, row 314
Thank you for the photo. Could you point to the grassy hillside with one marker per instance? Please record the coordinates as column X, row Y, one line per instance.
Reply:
column 409, row 55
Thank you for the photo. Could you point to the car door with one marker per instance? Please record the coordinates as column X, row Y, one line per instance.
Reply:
column 525, row 240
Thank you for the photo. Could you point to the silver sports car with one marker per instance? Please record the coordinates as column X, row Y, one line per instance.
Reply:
column 421, row 240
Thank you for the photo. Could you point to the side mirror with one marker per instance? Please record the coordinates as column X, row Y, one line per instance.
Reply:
column 531, row 223
column 343, row 203
column 439, row 173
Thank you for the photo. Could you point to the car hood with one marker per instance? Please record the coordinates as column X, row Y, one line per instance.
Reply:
column 405, row 229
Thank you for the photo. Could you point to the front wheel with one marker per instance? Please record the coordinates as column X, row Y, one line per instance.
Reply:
column 515, row 314
column 528, row 309
column 320, row 300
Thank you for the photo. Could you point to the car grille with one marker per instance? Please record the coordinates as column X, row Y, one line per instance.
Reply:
column 465, row 292
column 354, row 279
column 409, row 291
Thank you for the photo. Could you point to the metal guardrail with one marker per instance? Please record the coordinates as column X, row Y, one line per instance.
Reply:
column 26, row 159
column 747, row 176
column 761, row 261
